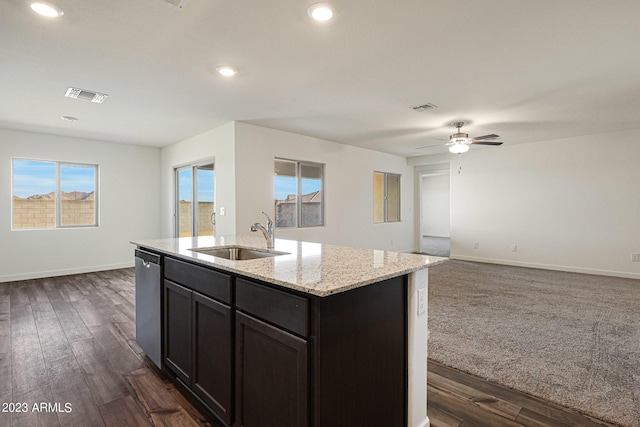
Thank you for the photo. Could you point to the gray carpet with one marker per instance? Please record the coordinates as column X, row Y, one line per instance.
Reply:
column 570, row 338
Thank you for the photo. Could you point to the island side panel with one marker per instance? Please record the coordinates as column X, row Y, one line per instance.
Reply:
column 360, row 356
column 418, row 334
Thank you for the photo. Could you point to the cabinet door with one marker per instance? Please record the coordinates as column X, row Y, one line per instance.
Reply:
column 271, row 376
column 212, row 355
column 177, row 334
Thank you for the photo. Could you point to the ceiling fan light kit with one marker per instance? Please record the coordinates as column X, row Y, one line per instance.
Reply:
column 459, row 142
column 459, row 148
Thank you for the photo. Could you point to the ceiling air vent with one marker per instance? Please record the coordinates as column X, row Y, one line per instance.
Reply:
column 177, row 3
column 424, row 107
column 87, row 95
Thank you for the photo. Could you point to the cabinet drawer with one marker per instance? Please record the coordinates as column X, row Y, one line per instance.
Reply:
column 208, row 282
column 287, row 311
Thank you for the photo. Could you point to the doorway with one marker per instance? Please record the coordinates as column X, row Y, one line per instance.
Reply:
column 435, row 213
column 195, row 200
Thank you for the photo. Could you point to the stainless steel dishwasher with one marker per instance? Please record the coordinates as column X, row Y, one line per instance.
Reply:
column 148, row 304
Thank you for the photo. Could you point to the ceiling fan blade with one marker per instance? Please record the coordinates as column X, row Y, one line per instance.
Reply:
column 490, row 136
column 486, row 142
column 427, row 146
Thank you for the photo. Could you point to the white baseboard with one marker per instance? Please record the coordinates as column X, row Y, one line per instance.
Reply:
column 555, row 267
column 63, row 272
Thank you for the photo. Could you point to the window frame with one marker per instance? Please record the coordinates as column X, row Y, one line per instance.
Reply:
column 58, row 193
column 385, row 207
column 299, row 214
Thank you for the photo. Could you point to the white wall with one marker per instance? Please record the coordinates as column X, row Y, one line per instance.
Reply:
column 129, row 194
column 348, row 188
column 570, row 204
column 435, row 203
column 216, row 144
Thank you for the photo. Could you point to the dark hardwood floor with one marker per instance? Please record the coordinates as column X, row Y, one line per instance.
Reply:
column 457, row 399
column 68, row 357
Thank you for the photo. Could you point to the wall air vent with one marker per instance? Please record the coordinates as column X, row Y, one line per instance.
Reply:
column 179, row 4
column 87, row 95
column 424, row 107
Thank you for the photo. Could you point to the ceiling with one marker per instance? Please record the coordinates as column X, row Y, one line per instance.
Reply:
column 526, row 70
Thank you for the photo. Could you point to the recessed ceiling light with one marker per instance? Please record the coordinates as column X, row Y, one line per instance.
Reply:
column 320, row 11
column 227, row 71
column 69, row 118
column 47, row 9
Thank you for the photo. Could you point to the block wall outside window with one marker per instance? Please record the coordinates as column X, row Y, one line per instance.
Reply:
column 205, row 227
column 34, row 213
column 49, row 194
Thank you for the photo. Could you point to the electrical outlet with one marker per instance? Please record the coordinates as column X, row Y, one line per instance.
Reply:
column 635, row 257
column 222, row 211
column 422, row 301
column 476, row 245
column 514, row 248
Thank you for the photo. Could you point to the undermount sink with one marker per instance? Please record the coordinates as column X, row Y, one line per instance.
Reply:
column 237, row 253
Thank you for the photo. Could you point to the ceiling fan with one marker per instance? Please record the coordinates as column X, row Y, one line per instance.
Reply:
column 459, row 142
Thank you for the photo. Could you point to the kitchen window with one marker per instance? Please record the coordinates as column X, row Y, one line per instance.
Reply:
column 49, row 194
column 386, row 197
column 299, row 194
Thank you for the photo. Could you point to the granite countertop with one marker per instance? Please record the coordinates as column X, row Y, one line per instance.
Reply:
column 314, row 268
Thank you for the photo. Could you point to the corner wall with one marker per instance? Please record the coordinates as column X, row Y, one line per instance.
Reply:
column 129, row 194
column 571, row 204
column 348, row 188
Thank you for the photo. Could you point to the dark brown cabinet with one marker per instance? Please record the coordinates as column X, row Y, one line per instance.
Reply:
column 259, row 355
column 333, row 361
column 199, row 336
column 177, row 332
column 212, row 347
column 271, row 375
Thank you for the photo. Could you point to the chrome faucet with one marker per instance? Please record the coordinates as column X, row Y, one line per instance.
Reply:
column 268, row 231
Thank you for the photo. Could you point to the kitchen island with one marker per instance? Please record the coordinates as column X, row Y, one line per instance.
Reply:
column 317, row 335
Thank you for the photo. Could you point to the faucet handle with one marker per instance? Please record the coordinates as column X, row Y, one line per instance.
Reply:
column 269, row 222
